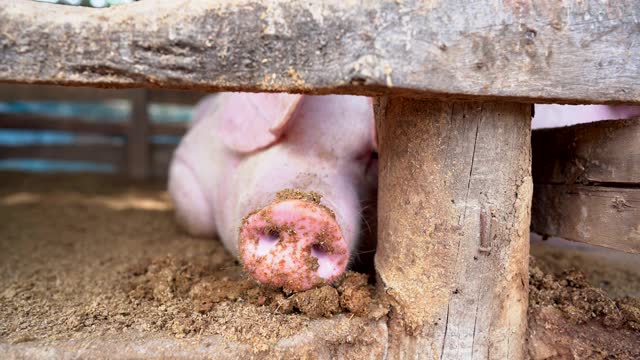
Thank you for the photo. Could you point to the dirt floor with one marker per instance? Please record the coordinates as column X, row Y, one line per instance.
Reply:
column 89, row 263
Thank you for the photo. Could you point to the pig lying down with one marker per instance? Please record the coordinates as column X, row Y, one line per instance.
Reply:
column 280, row 178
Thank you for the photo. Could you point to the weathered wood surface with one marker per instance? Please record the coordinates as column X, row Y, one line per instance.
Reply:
column 586, row 183
column 600, row 152
column 536, row 51
column 78, row 125
column 25, row 92
column 454, row 208
column 597, row 215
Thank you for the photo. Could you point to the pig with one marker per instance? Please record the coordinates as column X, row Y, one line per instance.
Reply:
column 280, row 179
column 565, row 115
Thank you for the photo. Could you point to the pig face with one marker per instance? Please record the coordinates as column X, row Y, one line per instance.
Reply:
column 291, row 176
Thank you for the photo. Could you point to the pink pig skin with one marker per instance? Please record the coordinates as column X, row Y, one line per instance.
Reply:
column 244, row 148
column 565, row 115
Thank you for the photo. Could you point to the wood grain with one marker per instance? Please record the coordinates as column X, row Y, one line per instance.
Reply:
column 597, row 215
column 454, row 205
column 572, row 51
column 599, row 152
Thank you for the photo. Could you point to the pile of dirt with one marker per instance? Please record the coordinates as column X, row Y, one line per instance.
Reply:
column 570, row 318
column 579, row 301
column 200, row 285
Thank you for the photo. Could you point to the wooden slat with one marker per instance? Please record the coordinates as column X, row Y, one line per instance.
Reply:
column 26, row 92
column 138, row 151
column 600, row 152
column 543, row 51
column 78, row 125
column 181, row 97
column 161, row 159
column 71, row 124
column 596, row 215
column 175, row 129
column 100, row 153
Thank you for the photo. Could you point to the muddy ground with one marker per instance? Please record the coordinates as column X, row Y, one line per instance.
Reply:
column 88, row 258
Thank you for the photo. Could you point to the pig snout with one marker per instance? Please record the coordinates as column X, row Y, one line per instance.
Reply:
column 295, row 244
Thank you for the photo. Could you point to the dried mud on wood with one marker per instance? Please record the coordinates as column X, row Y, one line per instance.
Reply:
column 88, row 259
column 454, row 198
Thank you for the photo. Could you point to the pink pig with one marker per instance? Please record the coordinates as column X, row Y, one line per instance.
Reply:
column 280, row 178
column 565, row 115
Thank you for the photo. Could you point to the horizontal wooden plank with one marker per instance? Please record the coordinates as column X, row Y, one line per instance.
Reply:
column 100, row 153
column 111, row 154
column 568, row 51
column 596, row 215
column 41, row 122
column 182, row 97
column 26, row 92
column 599, row 152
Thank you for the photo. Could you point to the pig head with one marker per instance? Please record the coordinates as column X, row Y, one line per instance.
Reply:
column 280, row 178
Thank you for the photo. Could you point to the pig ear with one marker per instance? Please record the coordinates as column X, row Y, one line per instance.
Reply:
column 248, row 122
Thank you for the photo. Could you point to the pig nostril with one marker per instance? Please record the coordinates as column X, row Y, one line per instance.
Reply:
column 267, row 240
column 326, row 264
column 317, row 250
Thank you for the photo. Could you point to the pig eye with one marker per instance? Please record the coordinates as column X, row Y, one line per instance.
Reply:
column 363, row 157
column 267, row 240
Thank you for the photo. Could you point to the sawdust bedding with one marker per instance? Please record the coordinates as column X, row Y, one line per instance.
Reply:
column 85, row 256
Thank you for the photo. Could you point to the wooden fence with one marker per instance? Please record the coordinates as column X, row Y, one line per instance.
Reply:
column 140, row 158
column 587, row 183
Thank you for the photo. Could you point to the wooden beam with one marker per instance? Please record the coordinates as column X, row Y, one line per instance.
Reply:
column 78, row 125
column 572, row 51
column 26, row 92
column 454, row 202
column 596, row 215
column 138, row 142
column 599, row 152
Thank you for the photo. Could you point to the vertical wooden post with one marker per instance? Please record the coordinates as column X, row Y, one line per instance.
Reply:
column 138, row 139
column 454, row 210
